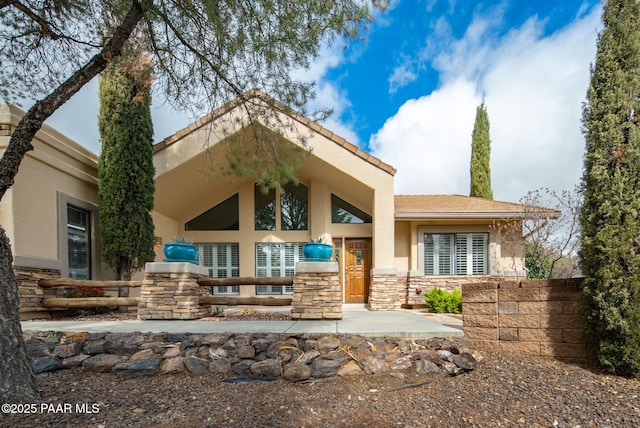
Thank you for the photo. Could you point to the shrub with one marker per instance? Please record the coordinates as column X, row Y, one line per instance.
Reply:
column 444, row 302
column 80, row 292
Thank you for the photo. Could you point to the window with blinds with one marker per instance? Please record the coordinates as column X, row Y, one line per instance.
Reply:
column 455, row 254
column 277, row 260
column 223, row 261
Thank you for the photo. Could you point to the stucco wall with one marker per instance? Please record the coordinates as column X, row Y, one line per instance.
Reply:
column 56, row 167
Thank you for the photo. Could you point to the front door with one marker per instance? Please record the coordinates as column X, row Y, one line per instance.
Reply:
column 357, row 265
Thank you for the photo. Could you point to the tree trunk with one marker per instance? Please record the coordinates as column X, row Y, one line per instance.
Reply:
column 17, row 380
column 17, row 383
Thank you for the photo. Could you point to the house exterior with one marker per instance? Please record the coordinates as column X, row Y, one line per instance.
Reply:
column 387, row 245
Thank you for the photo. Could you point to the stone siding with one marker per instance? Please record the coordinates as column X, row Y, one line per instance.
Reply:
column 536, row 317
column 387, row 292
column 427, row 283
column 30, row 293
column 316, row 291
column 171, row 294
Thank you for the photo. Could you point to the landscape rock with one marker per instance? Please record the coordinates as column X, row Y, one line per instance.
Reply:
column 350, row 369
column 220, row 365
column 46, row 364
column 103, row 363
column 172, row 366
column 296, row 372
column 196, row 365
column 74, row 361
column 292, row 357
column 134, row 368
column 324, row 368
column 267, row 368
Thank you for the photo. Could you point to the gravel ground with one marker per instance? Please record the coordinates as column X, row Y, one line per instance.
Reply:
column 504, row 390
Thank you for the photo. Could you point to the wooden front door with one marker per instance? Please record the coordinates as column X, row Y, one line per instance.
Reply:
column 357, row 266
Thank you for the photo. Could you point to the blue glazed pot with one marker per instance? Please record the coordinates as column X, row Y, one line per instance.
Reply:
column 317, row 252
column 181, row 253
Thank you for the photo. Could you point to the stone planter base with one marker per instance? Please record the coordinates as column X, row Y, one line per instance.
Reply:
column 316, row 291
column 170, row 291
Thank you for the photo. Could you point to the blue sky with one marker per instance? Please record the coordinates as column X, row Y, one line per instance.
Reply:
column 408, row 92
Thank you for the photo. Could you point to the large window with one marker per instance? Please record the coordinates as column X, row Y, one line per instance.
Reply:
column 265, row 208
column 294, row 207
column 293, row 203
column 343, row 212
column 224, row 216
column 455, row 254
column 78, row 243
column 277, row 260
column 223, row 261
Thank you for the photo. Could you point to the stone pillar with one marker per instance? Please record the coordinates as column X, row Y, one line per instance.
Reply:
column 386, row 292
column 316, row 291
column 30, row 293
column 170, row 291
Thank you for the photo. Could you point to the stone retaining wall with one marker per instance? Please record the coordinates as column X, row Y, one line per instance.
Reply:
column 536, row 317
column 292, row 357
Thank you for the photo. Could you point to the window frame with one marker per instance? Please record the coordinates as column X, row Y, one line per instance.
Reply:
column 285, row 264
column 214, row 268
column 63, row 201
column 459, row 244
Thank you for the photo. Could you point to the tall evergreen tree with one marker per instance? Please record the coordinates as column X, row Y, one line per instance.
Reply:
column 610, row 217
column 125, row 168
column 481, row 156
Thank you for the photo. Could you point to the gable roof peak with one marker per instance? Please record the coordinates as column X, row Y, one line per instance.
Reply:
column 276, row 106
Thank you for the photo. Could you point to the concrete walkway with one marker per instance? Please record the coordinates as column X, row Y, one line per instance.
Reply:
column 355, row 320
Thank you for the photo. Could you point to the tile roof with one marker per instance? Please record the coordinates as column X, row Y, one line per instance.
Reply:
column 315, row 126
column 458, row 206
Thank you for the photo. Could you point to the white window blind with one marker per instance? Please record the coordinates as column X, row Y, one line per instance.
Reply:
column 277, row 260
column 455, row 254
column 223, row 261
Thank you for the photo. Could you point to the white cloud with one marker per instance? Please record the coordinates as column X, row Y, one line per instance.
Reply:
column 401, row 76
column 533, row 87
column 428, row 141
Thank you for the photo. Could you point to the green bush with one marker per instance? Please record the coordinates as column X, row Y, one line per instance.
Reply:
column 444, row 302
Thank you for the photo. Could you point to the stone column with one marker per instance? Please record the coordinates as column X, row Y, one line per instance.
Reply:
column 386, row 292
column 170, row 291
column 316, row 291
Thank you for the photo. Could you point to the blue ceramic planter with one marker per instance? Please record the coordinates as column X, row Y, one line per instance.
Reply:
column 181, row 253
column 317, row 252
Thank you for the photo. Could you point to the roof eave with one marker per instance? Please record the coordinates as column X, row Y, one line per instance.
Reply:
column 471, row 215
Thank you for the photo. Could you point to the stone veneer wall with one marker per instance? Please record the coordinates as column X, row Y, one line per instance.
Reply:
column 316, row 291
column 427, row 283
column 29, row 292
column 537, row 317
column 171, row 291
column 386, row 293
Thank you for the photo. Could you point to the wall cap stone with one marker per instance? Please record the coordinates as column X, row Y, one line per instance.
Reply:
column 36, row 262
column 175, row 267
column 317, row 267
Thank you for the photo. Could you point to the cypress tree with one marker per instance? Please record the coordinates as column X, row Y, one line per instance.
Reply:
column 481, row 156
column 125, row 169
column 610, row 252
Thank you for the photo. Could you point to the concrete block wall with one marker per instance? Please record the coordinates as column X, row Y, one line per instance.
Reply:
column 536, row 317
